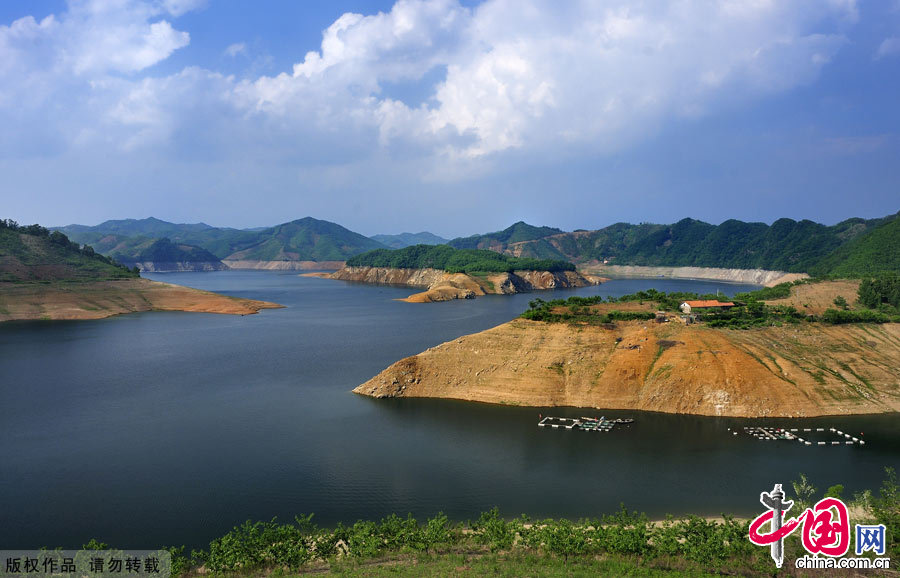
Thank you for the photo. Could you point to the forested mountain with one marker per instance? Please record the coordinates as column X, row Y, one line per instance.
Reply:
column 33, row 253
column 874, row 252
column 408, row 239
column 305, row 239
column 515, row 233
column 453, row 260
column 854, row 246
column 851, row 247
column 188, row 257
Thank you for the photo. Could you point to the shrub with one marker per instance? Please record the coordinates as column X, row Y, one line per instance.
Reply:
column 494, row 531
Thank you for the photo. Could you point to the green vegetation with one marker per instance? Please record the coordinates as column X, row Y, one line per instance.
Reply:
column 515, row 233
column 874, row 252
column 578, row 310
column 749, row 310
column 452, row 260
column 882, row 293
column 407, row 239
column 33, row 253
column 780, row 291
column 852, row 248
column 165, row 251
column 623, row 543
column 305, row 239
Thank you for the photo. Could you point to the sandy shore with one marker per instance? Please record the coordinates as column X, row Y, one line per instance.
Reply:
column 98, row 299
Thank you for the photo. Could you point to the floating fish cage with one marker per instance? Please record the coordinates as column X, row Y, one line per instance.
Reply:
column 801, row 435
column 598, row 424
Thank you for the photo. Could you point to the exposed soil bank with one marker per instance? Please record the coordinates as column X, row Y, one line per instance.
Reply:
column 283, row 265
column 443, row 286
column 754, row 276
column 790, row 371
column 179, row 266
column 98, row 299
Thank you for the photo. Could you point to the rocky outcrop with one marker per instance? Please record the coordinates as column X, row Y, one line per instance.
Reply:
column 443, row 286
column 285, row 265
column 754, row 276
column 389, row 276
column 158, row 267
column 803, row 370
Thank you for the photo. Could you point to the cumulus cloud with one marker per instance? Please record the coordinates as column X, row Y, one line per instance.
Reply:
column 535, row 74
column 888, row 47
column 512, row 75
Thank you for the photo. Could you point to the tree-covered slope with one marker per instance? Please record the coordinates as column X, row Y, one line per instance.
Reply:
column 877, row 251
column 305, row 239
column 515, row 233
column 408, row 239
column 785, row 245
column 33, row 253
column 453, row 260
column 165, row 251
column 149, row 227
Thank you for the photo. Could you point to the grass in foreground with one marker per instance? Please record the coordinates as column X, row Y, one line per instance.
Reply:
column 621, row 544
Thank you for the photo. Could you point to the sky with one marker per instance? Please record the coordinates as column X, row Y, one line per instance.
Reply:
column 448, row 116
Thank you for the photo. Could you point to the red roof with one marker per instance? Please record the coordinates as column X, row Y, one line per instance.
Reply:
column 709, row 303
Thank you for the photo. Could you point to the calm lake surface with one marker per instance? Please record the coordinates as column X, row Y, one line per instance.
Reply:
column 155, row 429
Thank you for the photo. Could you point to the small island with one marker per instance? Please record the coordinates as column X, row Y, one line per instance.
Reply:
column 447, row 273
column 797, row 349
column 45, row 276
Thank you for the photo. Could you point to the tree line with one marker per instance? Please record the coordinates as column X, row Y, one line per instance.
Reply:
column 452, row 260
column 62, row 241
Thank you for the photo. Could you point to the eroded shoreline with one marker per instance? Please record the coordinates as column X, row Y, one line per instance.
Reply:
column 100, row 299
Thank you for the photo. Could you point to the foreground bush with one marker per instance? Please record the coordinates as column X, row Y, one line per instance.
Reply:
column 625, row 540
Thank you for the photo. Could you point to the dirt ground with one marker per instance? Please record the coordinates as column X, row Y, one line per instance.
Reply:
column 815, row 298
column 789, row 371
column 95, row 300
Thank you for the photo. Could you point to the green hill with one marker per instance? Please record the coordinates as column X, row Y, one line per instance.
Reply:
column 165, row 251
column 408, row 239
column 878, row 251
column 854, row 246
column 33, row 253
column 149, row 227
column 515, row 233
column 305, row 239
column 447, row 258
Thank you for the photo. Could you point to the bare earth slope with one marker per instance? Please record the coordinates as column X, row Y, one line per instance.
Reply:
column 755, row 276
column 797, row 370
column 98, row 299
column 815, row 298
column 443, row 286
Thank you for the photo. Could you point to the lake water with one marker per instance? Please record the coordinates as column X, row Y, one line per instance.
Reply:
column 155, row 429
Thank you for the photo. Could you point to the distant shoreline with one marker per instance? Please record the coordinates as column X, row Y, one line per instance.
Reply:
column 100, row 299
column 752, row 276
column 443, row 286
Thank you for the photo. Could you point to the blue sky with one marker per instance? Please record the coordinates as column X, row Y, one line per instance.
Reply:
column 453, row 117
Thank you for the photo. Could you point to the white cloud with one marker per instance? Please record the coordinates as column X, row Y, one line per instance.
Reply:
column 235, row 49
column 531, row 76
column 888, row 47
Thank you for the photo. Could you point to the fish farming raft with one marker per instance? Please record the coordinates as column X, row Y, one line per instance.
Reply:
column 801, row 435
column 596, row 424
